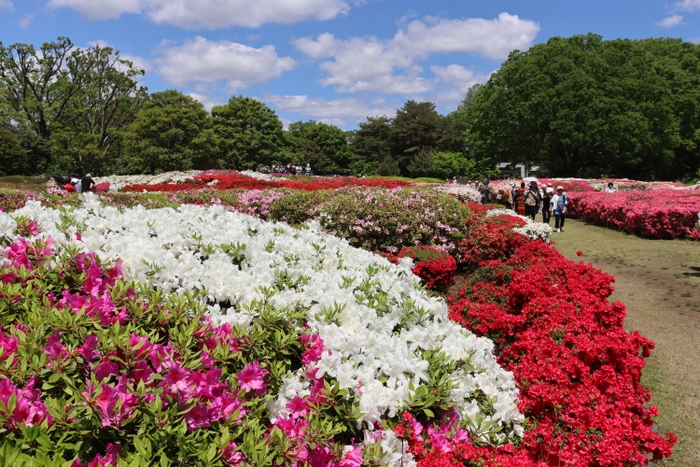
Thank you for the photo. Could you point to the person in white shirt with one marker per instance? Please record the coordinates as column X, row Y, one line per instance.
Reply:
column 610, row 188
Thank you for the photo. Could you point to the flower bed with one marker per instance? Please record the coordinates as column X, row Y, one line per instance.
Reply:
column 577, row 369
column 663, row 214
column 360, row 341
column 411, row 358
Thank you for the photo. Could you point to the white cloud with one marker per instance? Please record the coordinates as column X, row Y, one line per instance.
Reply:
column 687, row 5
column 210, row 14
column 671, row 21
column 341, row 111
column 26, row 21
column 238, row 65
column 99, row 9
column 457, row 80
column 490, row 38
column 206, row 101
column 389, row 66
column 6, row 4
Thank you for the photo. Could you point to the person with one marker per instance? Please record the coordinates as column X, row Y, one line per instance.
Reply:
column 484, row 190
column 558, row 205
column 508, row 198
column 519, row 205
column 75, row 181
column 308, row 169
column 87, row 183
column 532, row 201
column 546, row 199
column 610, row 188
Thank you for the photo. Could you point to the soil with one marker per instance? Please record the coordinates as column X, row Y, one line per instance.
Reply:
column 659, row 282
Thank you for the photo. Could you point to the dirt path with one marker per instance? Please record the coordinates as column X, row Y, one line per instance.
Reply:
column 659, row 281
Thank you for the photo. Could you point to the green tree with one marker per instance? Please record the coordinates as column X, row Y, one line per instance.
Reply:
column 249, row 133
column 417, row 129
column 334, row 156
column 586, row 107
column 447, row 164
column 171, row 132
column 371, row 142
column 13, row 157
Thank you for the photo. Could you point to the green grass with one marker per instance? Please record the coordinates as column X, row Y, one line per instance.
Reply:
column 22, row 180
column 655, row 279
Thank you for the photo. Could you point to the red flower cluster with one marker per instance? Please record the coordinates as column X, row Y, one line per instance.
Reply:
column 436, row 269
column 651, row 214
column 489, row 238
column 232, row 180
column 577, row 369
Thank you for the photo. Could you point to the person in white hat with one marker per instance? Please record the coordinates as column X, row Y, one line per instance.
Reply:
column 558, row 205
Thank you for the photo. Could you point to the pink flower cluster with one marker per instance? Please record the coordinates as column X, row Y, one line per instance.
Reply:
column 659, row 214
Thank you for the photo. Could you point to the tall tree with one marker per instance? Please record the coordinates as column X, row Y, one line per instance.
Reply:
column 586, row 107
column 171, row 132
column 417, row 129
column 334, row 155
column 371, row 141
column 249, row 133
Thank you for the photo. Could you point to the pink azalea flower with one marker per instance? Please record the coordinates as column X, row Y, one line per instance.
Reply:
column 252, row 378
column 89, row 349
column 298, row 407
column 54, row 349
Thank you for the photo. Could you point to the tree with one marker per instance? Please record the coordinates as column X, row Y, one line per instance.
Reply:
column 586, row 107
column 86, row 96
column 417, row 129
column 371, row 141
column 171, row 132
column 334, row 154
column 13, row 157
column 249, row 133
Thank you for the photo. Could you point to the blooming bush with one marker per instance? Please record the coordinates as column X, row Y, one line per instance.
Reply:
column 378, row 345
column 436, row 269
column 655, row 214
column 577, row 369
column 379, row 220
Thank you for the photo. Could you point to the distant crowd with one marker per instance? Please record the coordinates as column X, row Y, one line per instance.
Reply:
column 291, row 169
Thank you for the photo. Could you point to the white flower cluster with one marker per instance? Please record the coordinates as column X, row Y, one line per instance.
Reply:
column 465, row 193
column 117, row 182
column 376, row 322
column 533, row 230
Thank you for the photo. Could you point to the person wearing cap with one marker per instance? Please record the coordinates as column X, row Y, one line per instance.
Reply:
column 558, row 205
column 532, row 200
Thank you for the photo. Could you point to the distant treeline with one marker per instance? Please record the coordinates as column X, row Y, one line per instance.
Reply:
column 576, row 107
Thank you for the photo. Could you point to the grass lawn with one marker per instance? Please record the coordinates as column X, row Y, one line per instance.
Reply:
column 659, row 281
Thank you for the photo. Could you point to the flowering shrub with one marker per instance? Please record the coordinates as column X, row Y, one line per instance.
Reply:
column 655, row 214
column 577, row 369
column 435, row 268
column 235, row 180
column 489, row 238
column 411, row 357
column 379, row 220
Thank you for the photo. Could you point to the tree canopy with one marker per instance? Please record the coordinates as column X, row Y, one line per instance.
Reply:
column 585, row 107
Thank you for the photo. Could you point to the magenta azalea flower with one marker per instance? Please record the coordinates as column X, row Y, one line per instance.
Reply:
column 252, row 378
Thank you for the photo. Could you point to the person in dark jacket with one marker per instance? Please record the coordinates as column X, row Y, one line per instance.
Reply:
column 87, row 183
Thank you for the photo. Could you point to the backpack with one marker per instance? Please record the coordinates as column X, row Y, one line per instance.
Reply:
column 561, row 203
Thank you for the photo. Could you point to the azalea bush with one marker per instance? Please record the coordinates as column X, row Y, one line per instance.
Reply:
column 379, row 220
column 435, row 268
column 361, row 343
column 663, row 214
column 577, row 369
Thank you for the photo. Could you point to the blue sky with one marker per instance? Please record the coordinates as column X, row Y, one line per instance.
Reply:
column 336, row 61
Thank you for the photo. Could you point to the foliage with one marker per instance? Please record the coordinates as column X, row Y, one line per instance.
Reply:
column 171, row 132
column 332, row 154
column 436, row 268
column 582, row 106
column 13, row 157
column 84, row 96
column 249, row 133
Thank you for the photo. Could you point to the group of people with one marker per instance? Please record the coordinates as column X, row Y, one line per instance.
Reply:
column 74, row 183
column 533, row 199
column 292, row 169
